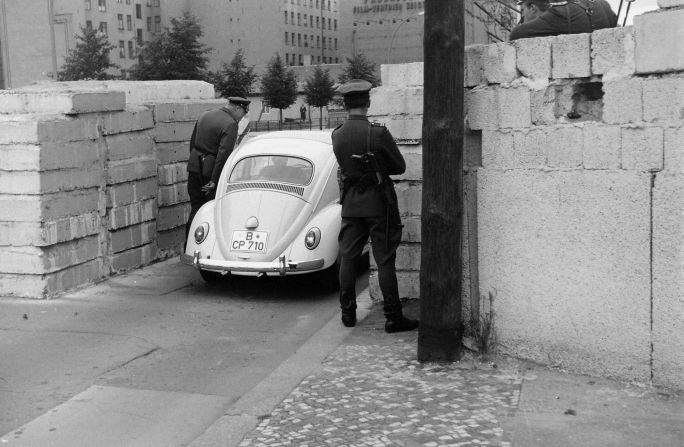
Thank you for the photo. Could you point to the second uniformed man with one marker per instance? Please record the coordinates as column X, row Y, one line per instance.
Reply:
column 367, row 156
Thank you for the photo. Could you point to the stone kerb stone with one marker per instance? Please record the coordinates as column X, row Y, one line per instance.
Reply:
column 659, row 40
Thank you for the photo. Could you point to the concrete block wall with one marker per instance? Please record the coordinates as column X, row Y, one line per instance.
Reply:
column 92, row 179
column 578, row 187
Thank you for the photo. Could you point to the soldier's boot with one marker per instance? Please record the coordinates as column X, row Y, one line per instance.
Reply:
column 396, row 321
column 348, row 306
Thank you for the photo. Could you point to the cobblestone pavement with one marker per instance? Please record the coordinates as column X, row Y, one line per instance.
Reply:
column 372, row 392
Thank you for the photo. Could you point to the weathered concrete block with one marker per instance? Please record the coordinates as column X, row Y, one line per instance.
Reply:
column 577, row 296
column 46, row 129
column 408, row 281
column 31, row 208
column 138, row 92
column 668, row 280
column 173, row 216
column 474, row 65
column 178, row 131
column 172, row 173
column 131, row 169
column 565, row 147
column 571, row 56
column 674, row 150
column 41, row 234
column 663, row 98
column 34, row 182
column 472, row 147
column 133, row 236
column 664, row 4
column 132, row 119
column 601, row 147
column 543, row 105
column 481, row 108
column 170, row 242
column 405, row 129
column 133, row 258
column 514, row 107
column 498, row 149
column 412, row 229
column 174, row 152
column 612, row 52
column 534, row 57
column 135, row 213
column 642, row 148
column 38, row 260
column 184, row 110
column 651, row 31
column 409, row 197
column 499, row 63
column 396, row 100
column 45, row 99
column 128, row 145
column 129, row 192
column 173, row 194
column 402, row 75
column 622, row 101
column 48, row 285
column 48, row 156
column 413, row 155
column 530, row 148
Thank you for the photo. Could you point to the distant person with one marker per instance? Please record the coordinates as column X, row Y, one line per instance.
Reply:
column 541, row 18
column 213, row 139
column 302, row 112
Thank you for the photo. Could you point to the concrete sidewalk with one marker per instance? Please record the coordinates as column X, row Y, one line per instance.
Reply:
column 372, row 392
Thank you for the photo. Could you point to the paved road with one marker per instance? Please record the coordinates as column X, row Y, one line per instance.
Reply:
column 157, row 342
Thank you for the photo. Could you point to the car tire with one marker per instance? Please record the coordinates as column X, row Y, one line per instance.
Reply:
column 210, row 277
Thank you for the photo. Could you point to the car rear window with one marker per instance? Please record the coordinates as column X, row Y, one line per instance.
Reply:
column 272, row 168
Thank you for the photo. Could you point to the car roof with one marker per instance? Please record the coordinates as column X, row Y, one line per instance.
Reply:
column 323, row 136
column 313, row 145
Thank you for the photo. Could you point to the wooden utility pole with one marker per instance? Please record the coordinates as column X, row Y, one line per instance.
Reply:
column 441, row 272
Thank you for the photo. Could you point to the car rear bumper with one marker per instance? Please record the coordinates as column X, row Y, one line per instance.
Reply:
column 280, row 266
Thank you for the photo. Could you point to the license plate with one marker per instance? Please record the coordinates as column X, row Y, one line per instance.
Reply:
column 249, row 241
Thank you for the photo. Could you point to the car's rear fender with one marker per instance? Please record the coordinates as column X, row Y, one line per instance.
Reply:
column 204, row 215
column 328, row 221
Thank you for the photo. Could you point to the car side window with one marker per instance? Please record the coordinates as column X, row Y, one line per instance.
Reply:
column 273, row 168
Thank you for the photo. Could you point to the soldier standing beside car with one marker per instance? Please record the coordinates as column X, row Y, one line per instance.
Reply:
column 213, row 139
column 367, row 156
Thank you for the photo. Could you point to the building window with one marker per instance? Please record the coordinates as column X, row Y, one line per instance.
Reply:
column 323, row 23
column 122, row 50
column 293, row 39
column 119, row 1
column 128, row 2
column 335, row 22
column 335, row 43
column 330, row 43
column 299, row 19
column 129, row 22
column 306, row 41
column 292, row 18
column 287, row 58
column 102, row 5
column 89, row 24
column 305, row 16
column 318, row 41
column 301, row 60
column 324, row 43
column 325, row 60
column 138, row 11
column 299, row 40
column 157, row 24
column 311, row 21
column 329, row 24
column 285, row 17
column 88, row 5
column 156, row 3
column 119, row 20
column 287, row 38
column 140, row 36
column 149, row 24
column 131, row 50
column 103, row 28
column 318, row 22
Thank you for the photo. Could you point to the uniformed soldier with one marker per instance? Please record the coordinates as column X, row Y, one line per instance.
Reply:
column 367, row 156
column 213, row 139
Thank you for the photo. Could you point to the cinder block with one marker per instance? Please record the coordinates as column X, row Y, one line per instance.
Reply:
column 514, row 107
column 32, row 208
column 34, row 182
column 674, row 150
column 128, row 145
column 48, row 156
column 663, row 98
column 184, row 110
column 474, row 65
column 39, row 260
column 571, row 56
column 395, row 101
column 405, row 129
column 402, row 75
column 565, row 147
column 498, row 149
column 129, row 192
column 40, row 129
column 170, row 243
column 601, row 147
column 142, row 92
column 46, row 100
column 413, row 155
column 133, row 258
column 481, row 108
column 135, row 213
column 173, row 216
column 409, row 285
column 534, row 57
column 173, row 194
column 169, row 132
column 622, row 101
column 174, row 152
column 41, row 234
column 530, row 148
column 659, row 36
column 133, row 236
column 412, row 228
column 172, row 173
column 132, row 119
column 642, row 148
column 131, row 169
column 48, row 285
column 499, row 63
column 543, row 105
column 612, row 52
column 472, row 147
column 409, row 198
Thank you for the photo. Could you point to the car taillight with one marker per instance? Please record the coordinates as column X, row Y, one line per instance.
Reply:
column 201, row 232
column 312, row 238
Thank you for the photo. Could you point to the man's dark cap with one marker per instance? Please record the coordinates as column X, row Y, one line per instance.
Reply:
column 355, row 87
column 239, row 101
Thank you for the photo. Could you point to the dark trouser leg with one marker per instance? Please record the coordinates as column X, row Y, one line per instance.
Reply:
column 197, row 198
column 353, row 236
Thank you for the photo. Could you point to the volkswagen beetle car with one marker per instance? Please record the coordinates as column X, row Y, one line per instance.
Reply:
column 276, row 211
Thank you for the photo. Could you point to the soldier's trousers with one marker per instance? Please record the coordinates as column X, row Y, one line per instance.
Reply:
column 385, row 239
column 197, row 197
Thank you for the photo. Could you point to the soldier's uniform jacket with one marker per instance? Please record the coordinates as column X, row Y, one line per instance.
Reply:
column 360, row 197
column 212, row 141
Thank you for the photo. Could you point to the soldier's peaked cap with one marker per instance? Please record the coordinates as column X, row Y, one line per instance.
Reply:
column 238, row 100
column 355, row 87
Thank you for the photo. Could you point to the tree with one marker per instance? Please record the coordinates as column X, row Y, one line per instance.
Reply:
column 279, row 85
column 319, row 91
column 175, row 53
column 441, row 264
column 234, row 79
column 90, row 58
column 360, row 67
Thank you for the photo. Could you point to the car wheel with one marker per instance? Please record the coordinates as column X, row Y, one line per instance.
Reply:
column 210, row 277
